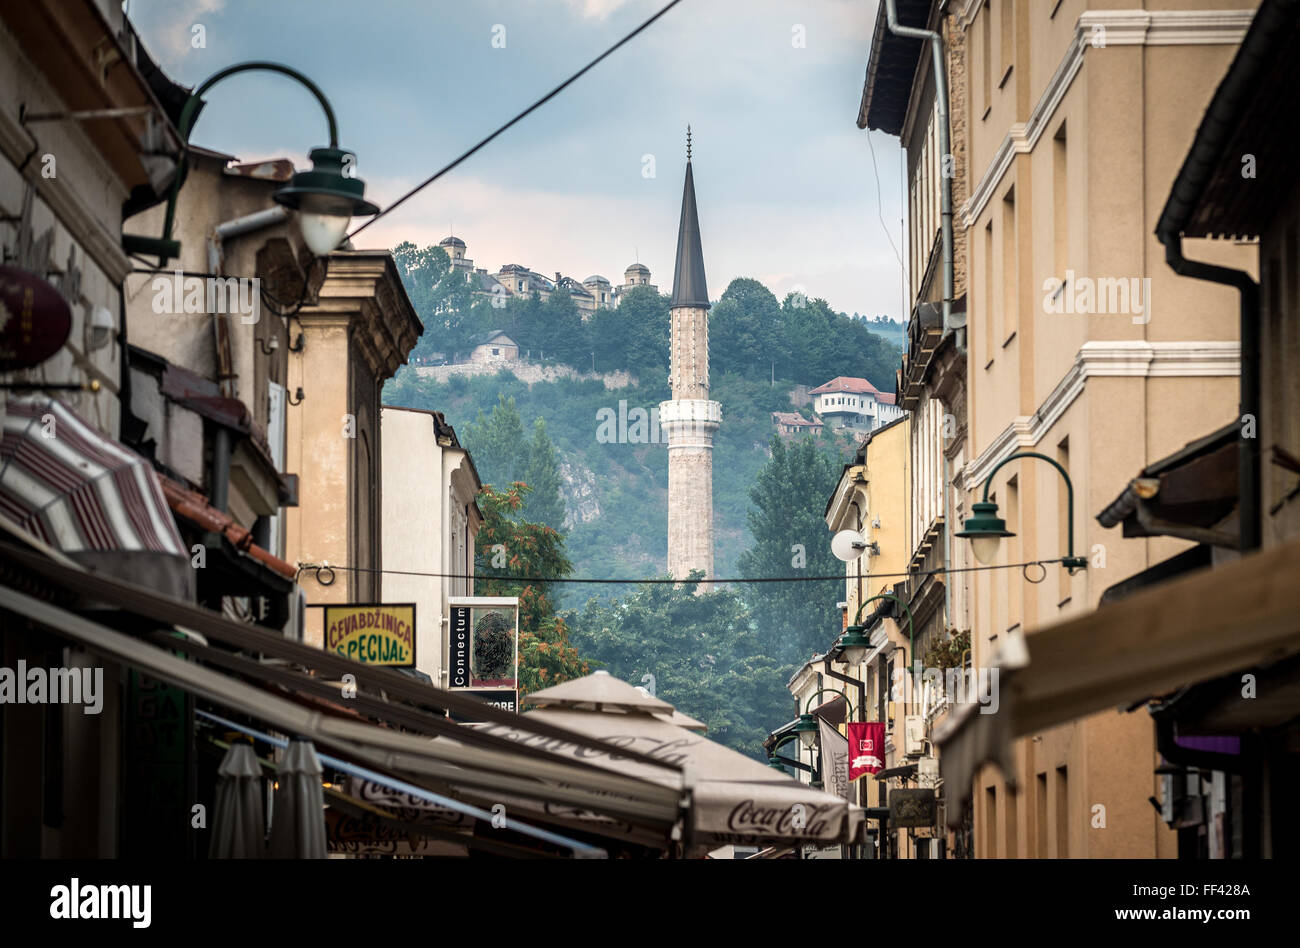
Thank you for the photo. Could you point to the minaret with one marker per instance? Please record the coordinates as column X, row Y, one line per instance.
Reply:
column 690, row 419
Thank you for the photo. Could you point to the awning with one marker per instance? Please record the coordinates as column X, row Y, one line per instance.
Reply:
column 468, row 762
column 87, row 496
column 733, row 798
column 1190, row 629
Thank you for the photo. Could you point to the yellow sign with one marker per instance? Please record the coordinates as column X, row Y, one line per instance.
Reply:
column 372, row 633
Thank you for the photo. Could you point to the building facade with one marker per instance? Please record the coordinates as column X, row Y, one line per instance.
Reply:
column 356, row 332
column 430, row 521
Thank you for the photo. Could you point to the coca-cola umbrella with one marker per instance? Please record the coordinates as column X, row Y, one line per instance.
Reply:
column 733, row 798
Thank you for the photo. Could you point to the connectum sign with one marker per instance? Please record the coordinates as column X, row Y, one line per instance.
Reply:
column 372, row 633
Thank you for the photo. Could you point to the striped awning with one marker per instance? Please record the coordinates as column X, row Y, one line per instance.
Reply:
column 88, row 496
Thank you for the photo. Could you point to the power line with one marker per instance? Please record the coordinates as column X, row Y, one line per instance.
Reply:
column 331, row 568
column 522, row 115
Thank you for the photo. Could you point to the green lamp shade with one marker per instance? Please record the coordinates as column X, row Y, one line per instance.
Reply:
column 985, row 529
column 326, row 199
column 807, row 730
column 854, row 644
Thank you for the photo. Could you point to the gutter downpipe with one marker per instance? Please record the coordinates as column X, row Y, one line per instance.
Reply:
column 1248, row 488
column 222, row 448
column 945, row 146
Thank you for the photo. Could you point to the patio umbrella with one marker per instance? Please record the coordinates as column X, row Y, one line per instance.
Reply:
column 239, row 820
column 298, row 807
column 734, row 798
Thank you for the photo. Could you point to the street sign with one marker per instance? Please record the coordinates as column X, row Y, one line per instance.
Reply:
column 372, row 633
column 35, row 319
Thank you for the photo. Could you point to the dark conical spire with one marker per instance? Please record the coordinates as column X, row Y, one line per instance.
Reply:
column 689, row 287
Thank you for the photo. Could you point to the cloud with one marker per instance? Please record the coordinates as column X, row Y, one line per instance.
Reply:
column 170, row 24
column 597, row 9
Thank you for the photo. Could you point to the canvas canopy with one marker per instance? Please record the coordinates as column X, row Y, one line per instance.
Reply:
column 729, row 798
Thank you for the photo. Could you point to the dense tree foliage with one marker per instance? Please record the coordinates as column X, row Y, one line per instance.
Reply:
column 794, row 619
column 510, row 546
column 496, row 443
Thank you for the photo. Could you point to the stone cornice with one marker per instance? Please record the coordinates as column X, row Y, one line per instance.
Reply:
column 100, row 242
column 1122, row 28
column 363, row 291
column 1104, row 359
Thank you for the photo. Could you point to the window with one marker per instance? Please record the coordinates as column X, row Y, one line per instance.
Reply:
column 1062, row 813
column 1040, row 824
column 1007, row 11
column 986, row 55
column 990, row 317
column 1060, row 204
column 1012, row 843
column 496, row 352
column 990, row 823
column 1009, row 261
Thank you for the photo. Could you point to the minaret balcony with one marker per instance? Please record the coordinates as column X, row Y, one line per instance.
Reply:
column 690, row 410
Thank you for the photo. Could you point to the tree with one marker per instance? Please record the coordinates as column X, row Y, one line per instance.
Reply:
column 496, row 442
column 545, row 504
column 633, row 336
column 546, row 656
column 790, row 539
column 699, row 654
column 441, row 295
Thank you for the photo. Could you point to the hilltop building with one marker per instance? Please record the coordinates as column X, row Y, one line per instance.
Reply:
column 514, row 279
column 846, row 402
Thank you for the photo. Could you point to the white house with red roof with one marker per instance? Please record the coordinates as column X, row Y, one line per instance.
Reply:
column 846, row 402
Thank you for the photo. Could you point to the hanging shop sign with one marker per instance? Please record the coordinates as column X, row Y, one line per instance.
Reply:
column 483, row 648
column 912, row 808
column 35, row 319
column 372, row 633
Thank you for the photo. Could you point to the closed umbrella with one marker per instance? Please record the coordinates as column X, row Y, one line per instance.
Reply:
column 298, row 809
column 239, row 823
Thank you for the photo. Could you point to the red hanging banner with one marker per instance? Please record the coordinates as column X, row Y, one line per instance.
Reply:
column 866, row 748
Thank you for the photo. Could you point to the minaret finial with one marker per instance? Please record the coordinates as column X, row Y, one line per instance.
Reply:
column 688, row 143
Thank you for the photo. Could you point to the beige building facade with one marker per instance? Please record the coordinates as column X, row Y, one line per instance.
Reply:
column 1082, row 346
column 355, row 335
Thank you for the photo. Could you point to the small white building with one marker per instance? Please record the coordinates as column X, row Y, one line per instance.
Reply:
column 846, row 402
column 430, row 521
column 494, row 346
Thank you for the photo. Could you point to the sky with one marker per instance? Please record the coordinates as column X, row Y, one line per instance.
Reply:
column 592, row 181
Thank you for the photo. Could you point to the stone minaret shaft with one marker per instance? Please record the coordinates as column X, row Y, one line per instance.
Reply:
column 690, row 419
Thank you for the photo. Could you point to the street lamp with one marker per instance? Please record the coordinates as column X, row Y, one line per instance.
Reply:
column 854, row 642
column 806, row 727
column 325, row 198
column 985, row 529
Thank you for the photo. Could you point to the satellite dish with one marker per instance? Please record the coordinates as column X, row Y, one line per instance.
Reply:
column 848, row 545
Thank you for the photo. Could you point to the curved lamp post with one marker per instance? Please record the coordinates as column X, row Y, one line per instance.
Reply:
column 325, row 198
column 806, row 727
column 855, row 640
column 780, row 763
column 985, row 529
